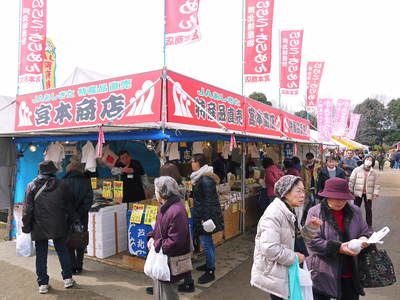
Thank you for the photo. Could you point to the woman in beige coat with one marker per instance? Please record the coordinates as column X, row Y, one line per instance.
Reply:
column 275, row 239
column 363, row 184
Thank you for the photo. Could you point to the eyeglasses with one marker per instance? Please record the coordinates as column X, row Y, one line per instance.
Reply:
column 299, row 191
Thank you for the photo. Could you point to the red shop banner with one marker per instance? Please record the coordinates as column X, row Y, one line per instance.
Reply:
column 262, row 118
column 32, row 42
column 314, row 74
column 291, row 45
column 212, row 104
column 182, row 25
column 295, row 127
column 258, row 40
column 93, row 103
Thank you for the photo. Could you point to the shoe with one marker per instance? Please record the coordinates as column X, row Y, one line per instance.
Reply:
column 186, row 287
column 207, row 277
column 44, row 289
column 202, row 268
column 69, row 282
column 149, row 291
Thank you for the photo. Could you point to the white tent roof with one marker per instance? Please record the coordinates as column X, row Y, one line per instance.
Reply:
column 332, row 142
column 7, row 114
column 83, row 76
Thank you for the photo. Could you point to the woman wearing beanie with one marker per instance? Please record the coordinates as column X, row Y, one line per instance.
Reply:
column 275, row 239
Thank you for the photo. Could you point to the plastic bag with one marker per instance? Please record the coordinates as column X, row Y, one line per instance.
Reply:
column 156, row 265
column 24, row 245
column 109, row 158
column 306, row 283
column 295, row 292
column 148, row 265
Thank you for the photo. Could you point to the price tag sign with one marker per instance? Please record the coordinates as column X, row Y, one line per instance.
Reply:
column 188, row 209
column 93, row 182
column 150, row 214
column 118, row 190
column 107, row 189
column 137, row 213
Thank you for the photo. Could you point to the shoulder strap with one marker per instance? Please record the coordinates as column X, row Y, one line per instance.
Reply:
column 40, row 190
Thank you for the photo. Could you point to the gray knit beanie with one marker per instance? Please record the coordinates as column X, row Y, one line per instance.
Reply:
column 284, row 185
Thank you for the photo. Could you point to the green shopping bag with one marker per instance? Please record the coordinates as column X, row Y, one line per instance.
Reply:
column 294, row 282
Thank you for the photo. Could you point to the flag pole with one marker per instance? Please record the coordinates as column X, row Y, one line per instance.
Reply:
column 165, row 33
column 243, row 174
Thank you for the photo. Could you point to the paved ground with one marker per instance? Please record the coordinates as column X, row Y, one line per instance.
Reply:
column 100, row 281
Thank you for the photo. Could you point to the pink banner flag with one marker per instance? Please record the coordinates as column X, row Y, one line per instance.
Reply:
column 324, row 120
column 341, row 118
column 291, row 44
column 314, row 74
column 100, row 142
column 182, row 25
column 32, row 45
column 354, row 120
column 258, row 40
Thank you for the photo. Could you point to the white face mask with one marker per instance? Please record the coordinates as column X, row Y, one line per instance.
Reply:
column 368, row 163
column 331, row 169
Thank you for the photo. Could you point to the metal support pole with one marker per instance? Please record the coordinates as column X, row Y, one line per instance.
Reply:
column 10, row 216
column 243, row 191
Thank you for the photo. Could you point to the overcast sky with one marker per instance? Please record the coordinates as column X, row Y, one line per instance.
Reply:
column 358, row 39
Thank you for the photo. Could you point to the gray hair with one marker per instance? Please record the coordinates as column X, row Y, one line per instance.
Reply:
column 166, row 187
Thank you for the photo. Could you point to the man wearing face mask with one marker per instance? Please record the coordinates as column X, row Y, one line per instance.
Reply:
column 364, row 185
column 330, row 171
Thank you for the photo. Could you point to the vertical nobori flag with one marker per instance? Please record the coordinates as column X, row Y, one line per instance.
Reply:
column 49, row 66
column 291, row 44
column 341, row 117
column 182, row 25
column 354, row 120
column 32, row 45
column 314, row 74
column 324, row 119
column 258, row 40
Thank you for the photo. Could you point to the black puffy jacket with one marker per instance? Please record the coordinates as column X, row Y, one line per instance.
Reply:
column 206, row 204
column 82, row 195
column 49, row 216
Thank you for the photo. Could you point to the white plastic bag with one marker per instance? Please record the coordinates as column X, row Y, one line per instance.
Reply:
column 24, row 245
column 306, row 282
column 156, row 265
column 148, row 265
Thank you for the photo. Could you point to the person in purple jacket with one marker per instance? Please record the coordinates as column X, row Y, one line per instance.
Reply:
column 171, row 233
column 333, row 265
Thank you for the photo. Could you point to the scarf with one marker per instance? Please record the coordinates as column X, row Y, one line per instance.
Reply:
column 194, row 177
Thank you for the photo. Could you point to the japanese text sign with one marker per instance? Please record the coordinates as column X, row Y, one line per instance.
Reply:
column 314, row 74
column 291, row 44
column 32, row 44
column 93, row 103
column 150, row 214
column 341, row 117
column 182, row 25
column 137, row 213
column 258, row 40
column 324, row 119
column 212, row 104
column 354, row 120
column 107, row 189
column 295, row 127
column 118, row 191
column 138, row 239
column 262, row 118
column 49, row 66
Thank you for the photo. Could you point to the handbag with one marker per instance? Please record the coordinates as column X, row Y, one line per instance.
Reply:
column 78, row 238
column 376, row 268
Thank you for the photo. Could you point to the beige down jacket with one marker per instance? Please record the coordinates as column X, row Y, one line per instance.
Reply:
column 356, row 183
column 273, row 252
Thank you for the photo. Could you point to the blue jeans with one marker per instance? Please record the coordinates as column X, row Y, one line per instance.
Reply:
column 41, row 259
column 207, row 244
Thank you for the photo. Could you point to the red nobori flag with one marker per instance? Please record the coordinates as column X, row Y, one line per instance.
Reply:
column 314, row 74
column 182, row 25
column 291, row 43
column 258, row 40
column 32, row 44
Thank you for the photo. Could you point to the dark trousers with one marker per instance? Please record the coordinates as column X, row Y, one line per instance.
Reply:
column 368, row 207
column 41, row 259
column 348, row 291
column 76, row 257
column 381, row 164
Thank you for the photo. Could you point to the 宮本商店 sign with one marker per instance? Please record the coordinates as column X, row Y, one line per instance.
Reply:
column 93, row 103
column 295, row 127
column 263, row 119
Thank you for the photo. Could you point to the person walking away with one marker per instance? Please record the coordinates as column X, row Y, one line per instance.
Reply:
column 364, row 185
column 275, row 243
column 46, row 215
column 170, row 234
column 381, row 160
column 81, row 201
column 206, row 207
column 392, row 159
column 334, row 266
column 330, row 171
column 348, row 163
column 289, row 168
column 272, row 175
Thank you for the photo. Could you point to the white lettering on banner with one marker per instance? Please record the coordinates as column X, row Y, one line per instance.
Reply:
column 189, row 7
column 143, row 106
column 181, row 102
column 25, row 115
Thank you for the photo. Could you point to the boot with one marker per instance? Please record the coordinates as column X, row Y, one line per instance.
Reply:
column 207, row 277
column 149, row 291
column 202, row 268
column 186, row 287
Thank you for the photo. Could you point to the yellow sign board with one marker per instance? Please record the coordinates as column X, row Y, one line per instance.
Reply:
column 137, row 213
column 118, row 191
column 150, row 214
column 107, row 189
column 93, row 182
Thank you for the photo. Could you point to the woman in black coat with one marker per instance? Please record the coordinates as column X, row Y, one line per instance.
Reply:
column 206, row 207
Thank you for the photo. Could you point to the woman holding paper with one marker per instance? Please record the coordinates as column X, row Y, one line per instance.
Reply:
column 333, row 252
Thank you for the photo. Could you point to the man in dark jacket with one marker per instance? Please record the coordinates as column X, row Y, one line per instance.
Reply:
column 330, row 171
column 47, row 215
column 206, row 207
column 81, row 201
